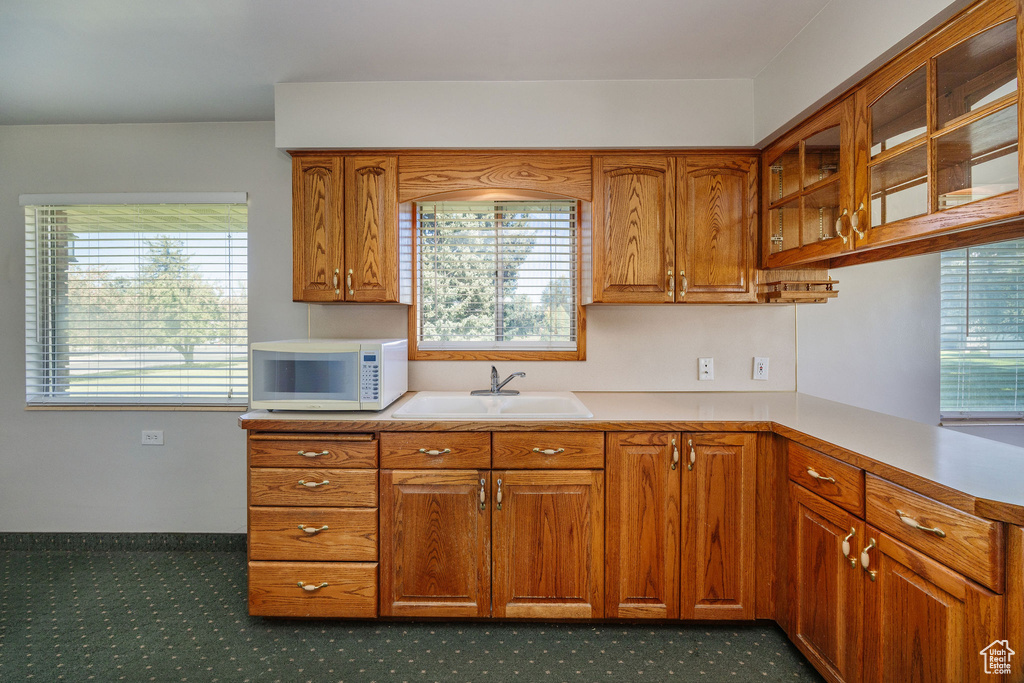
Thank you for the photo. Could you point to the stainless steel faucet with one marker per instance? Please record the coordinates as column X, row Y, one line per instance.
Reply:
column 496, row 386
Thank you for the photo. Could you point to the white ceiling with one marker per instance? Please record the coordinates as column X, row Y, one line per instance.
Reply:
column 108, row 61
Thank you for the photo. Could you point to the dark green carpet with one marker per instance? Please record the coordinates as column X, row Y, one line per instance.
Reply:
column 181, row 616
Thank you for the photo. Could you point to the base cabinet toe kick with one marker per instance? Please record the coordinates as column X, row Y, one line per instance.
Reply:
column 870, row 578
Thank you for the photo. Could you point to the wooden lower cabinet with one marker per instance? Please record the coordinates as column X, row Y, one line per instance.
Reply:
column 548, row 544
column 923, row 621
column 313, row 589
column 825, row 595
column 435, row 554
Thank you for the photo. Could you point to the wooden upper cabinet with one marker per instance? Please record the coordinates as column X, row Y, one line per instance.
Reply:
column 826, row 585
column 371, row 230
column 642, row 550
column 718, row 525
column 548, row 543
column 716, row 224
column 813, row 190
column 317, row 228
column 633, row 229
column 345, row 228
column 923, row 621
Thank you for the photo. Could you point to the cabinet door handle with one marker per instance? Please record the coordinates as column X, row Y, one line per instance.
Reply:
column 348, row 281
column 549, row 451
column 855, row 221
column 336, row 290
column 693, row 454
column 483, row 494
column 313, row 484
column 910, row 521
column 839, row 227
column 312, row 530
column 683, row 286
column 675, row 454
column 311, row 454
column 311, row 587
column 846, row 547
column 815, row 475
column 865, row 559
column 671, row 283
column 497, row 498
column 434, row 451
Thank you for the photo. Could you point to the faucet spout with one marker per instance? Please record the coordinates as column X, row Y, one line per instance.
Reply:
column 497, row 384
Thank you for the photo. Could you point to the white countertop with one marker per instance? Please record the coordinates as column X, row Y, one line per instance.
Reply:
column 982, row 468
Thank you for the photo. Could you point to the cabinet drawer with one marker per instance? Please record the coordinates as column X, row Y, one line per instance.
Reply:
column 319, row 534
column 971, row 545
column 311, row 487
column 312, row 450
column 351, row 589
column 836, row 481
column 435, row 450
column 549, row 450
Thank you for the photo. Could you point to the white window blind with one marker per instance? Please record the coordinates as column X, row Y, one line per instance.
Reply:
column 982, row 337
column 496, row 275
column 140, row 303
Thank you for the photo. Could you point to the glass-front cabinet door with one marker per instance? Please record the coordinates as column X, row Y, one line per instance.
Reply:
column 944, row 131
column 810, row 196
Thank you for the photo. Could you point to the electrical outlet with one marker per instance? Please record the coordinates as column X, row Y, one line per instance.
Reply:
column 705, row 368
column 153, row 437
column 760, row 368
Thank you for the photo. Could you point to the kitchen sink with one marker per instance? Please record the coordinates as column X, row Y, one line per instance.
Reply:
column 534, row 405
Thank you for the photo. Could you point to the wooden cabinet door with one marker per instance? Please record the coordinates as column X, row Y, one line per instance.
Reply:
column 718, row 526
column 642, row 551
column 371, row 231
column 634, row 229
column 825, row 587
column 435, row 543
column 317, row 228
column 717, row 222
column 923, row 621
column 548, row 544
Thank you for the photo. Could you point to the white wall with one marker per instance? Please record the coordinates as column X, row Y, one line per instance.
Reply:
column 677, row 113
column 86, row 471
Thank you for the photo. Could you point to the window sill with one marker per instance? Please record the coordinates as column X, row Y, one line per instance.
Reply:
column 122, row 408
column 982, row 422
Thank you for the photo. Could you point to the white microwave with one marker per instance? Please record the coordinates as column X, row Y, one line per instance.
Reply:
column 327, row 374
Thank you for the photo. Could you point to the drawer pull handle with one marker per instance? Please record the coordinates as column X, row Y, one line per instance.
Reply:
column 549, row 451
column 434, row 451
column 675, row 453
column 693, row 454
column 312, row 454
column 498, row 496
column 312, row 530
column 910, row 521
column 313, row 484
column 310, row 587
column 815, row 475
column 865, row 560
column 846, row 547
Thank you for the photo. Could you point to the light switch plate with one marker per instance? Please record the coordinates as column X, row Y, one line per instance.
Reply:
column 705, row 369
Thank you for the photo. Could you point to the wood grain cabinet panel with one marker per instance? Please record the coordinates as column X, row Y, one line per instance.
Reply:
column 924, row 622
column 288, row 486
column 323, row 534
column 831, row 479
column 548, row 536
column 435, row 556
column 548, row 450
column 435, row 450
column 350, row 451
column 642, row 546
column 313, row 589
column 826, row 585
column 371, row 229
column 634, row 229
column 317, row 227
column 718, row 525
column 971, row 545
column 717, row 228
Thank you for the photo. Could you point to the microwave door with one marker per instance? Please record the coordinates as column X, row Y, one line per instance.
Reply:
column 328, row 379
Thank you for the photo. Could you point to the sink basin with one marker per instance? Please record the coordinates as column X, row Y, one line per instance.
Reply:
column 534, row 405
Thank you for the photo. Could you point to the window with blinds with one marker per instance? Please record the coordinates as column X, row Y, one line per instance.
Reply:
column 136, row 303
column 497, row 276
column 982, row 336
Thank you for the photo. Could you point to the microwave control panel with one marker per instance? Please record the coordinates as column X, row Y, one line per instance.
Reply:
column 369, row 377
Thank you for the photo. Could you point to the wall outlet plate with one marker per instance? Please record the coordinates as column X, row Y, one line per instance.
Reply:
column 705, row 369
column 760, row 368
column 153, row 437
